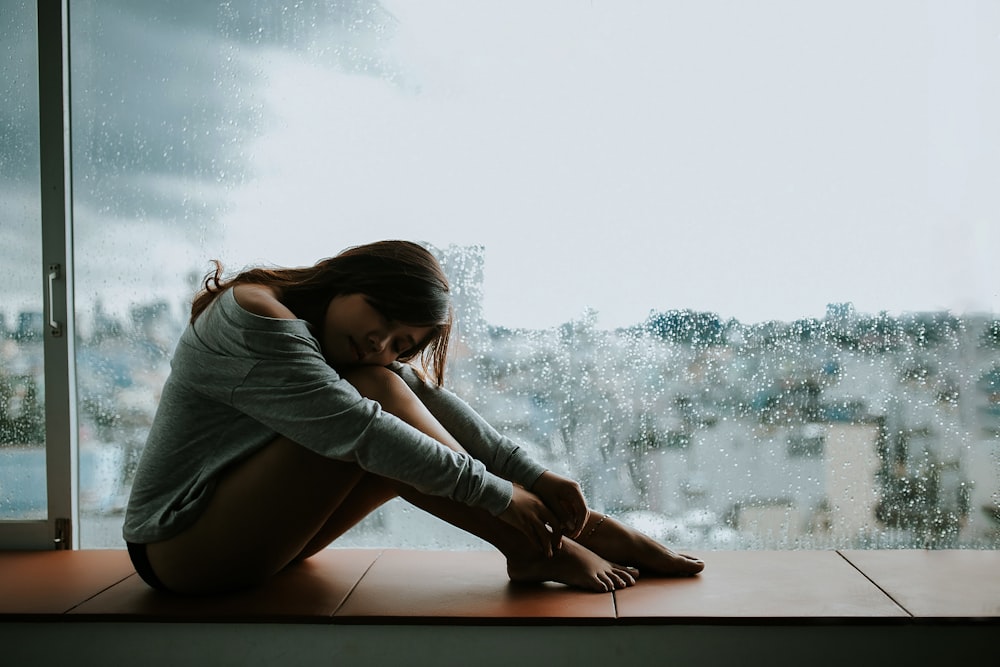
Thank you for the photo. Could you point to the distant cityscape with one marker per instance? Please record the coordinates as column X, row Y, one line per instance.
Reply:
column 855, row 430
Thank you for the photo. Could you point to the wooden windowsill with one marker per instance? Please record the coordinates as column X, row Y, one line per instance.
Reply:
column 371, row 586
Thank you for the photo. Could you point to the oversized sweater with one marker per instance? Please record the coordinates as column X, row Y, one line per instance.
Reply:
column 238, row 380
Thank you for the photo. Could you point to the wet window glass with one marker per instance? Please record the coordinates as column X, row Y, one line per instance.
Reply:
column 22, row 405
column 730, row 266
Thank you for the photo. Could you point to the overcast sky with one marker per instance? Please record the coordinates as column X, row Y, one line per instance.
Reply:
column 755, row 159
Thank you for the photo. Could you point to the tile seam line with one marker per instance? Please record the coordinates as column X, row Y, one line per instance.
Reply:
column 875, row 584
column 350, row 592
column 103, row 590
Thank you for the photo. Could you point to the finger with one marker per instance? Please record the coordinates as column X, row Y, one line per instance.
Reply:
column 552, row 537
column 542, row 537
column 566, row 510
column 580, row 517
column 568, row 520
column 557, row 540
column 554, row 533
column 549, row 545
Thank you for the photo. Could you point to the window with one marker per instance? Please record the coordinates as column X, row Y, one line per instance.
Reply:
column 728, row 265
column 22, row 418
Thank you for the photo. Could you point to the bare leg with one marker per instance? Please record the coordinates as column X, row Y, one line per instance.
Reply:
column 623, row 544
column 368, row 495
column 262, row 513
column 572, row 565
column 286, row 502
column 395, row 397
column 371, row 491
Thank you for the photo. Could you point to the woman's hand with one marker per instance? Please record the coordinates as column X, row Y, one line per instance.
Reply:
column 528, row 513
column 564, row 497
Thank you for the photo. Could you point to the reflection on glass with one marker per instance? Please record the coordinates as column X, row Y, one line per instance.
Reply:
column 540, row 152
column 22, row 417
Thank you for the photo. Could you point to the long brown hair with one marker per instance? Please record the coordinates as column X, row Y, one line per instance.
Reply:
column 400, row 279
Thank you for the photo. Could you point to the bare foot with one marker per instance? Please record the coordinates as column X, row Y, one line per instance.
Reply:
column 615, row 541
column 575, row 566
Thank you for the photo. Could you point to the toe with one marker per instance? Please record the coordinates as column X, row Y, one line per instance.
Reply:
column 693, row 565
column 625, row 576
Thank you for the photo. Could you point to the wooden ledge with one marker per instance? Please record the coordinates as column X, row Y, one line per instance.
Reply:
column 379, row 587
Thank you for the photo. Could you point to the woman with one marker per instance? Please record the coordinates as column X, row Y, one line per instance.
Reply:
column 294, row 409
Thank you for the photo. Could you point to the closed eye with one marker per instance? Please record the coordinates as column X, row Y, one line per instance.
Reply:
column 402, row 347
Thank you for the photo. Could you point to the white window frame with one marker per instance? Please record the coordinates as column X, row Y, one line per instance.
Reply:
column 62, row 512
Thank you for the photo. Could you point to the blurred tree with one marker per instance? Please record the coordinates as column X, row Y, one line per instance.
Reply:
column 22, row 418
column 689, row 327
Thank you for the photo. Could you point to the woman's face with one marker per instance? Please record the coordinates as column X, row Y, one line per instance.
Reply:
column 356, row 334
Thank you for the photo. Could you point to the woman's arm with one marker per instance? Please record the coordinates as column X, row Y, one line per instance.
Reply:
column 501, row 455
column 272, row 371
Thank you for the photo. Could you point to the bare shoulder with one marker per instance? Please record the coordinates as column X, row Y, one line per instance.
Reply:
column 261, row 300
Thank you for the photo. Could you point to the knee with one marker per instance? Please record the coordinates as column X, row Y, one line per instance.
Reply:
column 379, row 384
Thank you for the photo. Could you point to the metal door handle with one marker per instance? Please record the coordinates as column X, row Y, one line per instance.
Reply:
column 54, row 327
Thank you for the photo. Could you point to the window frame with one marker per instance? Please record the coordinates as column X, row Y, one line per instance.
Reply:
column 56, row 531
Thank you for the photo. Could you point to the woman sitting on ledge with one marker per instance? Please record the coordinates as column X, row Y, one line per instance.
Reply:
column 292, row 411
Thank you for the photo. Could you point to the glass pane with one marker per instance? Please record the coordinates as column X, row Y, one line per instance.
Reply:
column 735, row 278
column 22, row 418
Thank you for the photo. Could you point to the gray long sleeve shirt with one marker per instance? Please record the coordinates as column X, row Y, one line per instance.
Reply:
column 238, row 380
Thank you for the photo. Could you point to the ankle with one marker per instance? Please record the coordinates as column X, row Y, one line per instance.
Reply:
column 592, row 526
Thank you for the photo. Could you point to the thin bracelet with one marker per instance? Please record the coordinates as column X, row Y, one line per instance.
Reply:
column 596, row 525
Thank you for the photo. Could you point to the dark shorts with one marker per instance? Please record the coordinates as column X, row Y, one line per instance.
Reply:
column 140, row 561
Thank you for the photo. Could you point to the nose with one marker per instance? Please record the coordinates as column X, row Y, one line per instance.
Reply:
column 377, row 344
